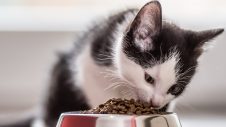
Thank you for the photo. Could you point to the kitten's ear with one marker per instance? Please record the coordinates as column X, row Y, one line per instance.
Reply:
column 146, row 26
column 198, row 40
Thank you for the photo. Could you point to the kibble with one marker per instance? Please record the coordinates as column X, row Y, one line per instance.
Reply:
column 124, row 106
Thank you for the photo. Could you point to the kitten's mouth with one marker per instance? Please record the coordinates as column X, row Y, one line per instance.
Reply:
column 147, row 100
column 144, row 98
column 154, row 107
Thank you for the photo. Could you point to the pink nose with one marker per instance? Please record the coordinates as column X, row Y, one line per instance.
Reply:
column 157, row 101
column 155, row 104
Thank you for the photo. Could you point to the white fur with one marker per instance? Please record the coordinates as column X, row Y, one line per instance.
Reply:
column 165, row 76
column 91, row 79
column 94, row 79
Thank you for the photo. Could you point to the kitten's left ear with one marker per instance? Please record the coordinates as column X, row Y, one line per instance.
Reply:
column 197, row 40
column 146, row 26
column 204, row 36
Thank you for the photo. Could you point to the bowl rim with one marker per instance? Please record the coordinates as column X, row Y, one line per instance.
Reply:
column 77, row 113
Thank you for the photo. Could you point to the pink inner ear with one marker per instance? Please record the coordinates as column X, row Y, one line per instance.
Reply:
column 143, row 39
column 142, row 33
column 150, row 16
column 146, row 25
column 145, row 44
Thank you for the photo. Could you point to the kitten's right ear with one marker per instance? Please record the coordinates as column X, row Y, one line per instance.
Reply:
column 146, row 26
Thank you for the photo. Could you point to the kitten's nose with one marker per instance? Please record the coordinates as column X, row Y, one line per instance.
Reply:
column 157, row 101
column 155, row 105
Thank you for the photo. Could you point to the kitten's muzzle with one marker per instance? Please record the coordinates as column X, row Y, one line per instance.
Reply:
column 157, row 101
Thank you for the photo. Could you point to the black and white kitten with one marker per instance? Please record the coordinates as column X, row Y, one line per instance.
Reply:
column 133, row 54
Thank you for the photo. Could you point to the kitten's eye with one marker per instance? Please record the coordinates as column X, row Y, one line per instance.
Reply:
column 148, row 78
column 176, row 90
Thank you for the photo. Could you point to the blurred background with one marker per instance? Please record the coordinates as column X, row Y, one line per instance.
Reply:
column 32, row 31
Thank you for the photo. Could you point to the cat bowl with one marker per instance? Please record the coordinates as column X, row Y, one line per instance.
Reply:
column 74, row 119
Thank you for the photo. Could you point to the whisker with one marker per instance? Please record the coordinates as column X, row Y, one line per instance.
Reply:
column 187, row 71
column 103, row 59
column 105, row 55
column 185, row 77
column 154, row 59
column 111, row 86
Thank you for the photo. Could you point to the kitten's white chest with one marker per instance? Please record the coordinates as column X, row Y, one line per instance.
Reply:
column 93, row 79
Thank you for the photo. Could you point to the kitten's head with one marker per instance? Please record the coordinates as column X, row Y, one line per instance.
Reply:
column 159, row 58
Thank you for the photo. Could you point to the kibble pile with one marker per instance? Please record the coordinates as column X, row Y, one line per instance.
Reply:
column 123, row 106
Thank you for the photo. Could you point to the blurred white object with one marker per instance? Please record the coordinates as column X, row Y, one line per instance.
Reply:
column 75, row 15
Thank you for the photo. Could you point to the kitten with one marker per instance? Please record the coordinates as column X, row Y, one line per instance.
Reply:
column 133, row 54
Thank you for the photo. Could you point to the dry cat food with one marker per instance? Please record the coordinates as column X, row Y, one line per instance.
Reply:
column 123, row 106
